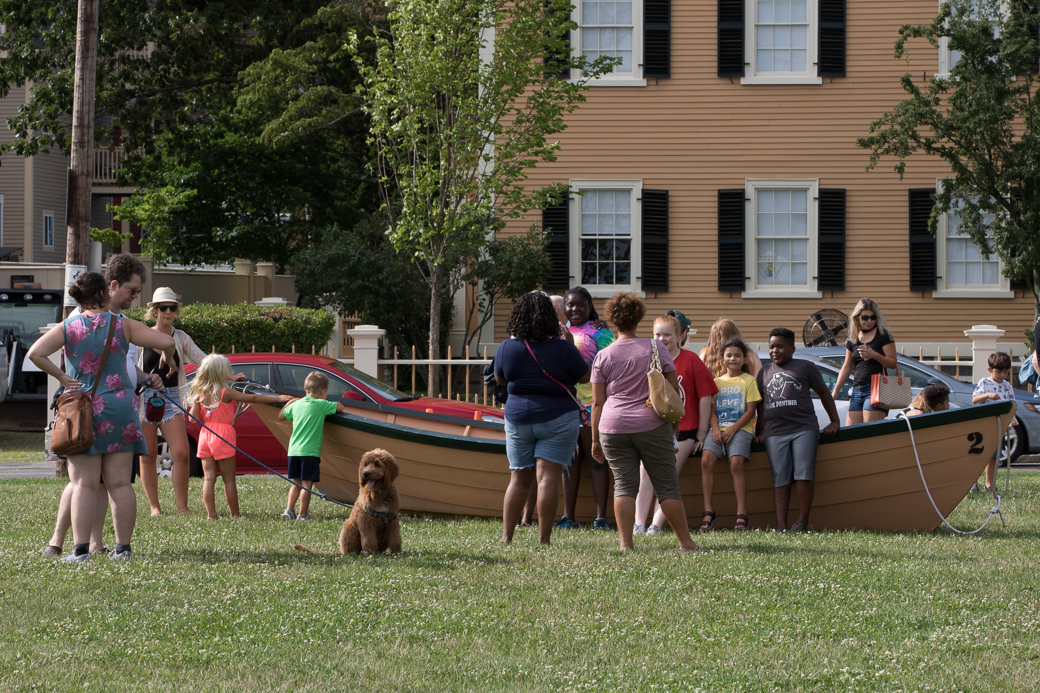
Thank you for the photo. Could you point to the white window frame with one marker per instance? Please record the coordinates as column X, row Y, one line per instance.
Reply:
column 944, row 48
column 635, row 186
column 1, row 219
column 1002, row 290
column 633, row 79
column 751, row 188
column 46, row 216
column 812, row 12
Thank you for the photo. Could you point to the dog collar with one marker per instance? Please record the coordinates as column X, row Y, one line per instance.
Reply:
column 380, row 515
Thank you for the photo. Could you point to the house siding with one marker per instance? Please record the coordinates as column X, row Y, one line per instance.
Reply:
column 50, row 179
column 12, row 178
column 697, row 133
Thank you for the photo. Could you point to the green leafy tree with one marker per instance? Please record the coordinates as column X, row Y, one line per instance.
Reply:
column 458, row 120
column 984, row 121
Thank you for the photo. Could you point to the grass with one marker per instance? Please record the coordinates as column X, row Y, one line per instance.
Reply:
column 21, row 446
column 228, row 605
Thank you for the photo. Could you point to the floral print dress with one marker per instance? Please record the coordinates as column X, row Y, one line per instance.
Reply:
column 117, row 424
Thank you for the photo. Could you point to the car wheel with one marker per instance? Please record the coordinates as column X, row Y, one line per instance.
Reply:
column 164, row 460
column 1016, row 444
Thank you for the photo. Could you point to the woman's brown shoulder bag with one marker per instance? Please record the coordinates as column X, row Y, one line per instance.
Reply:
column 663, row 397
column 74, row 412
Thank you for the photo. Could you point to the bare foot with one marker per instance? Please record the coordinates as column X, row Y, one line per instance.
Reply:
column 156, row 512
column 691, row 548
column 185, row 511
column 212, row 517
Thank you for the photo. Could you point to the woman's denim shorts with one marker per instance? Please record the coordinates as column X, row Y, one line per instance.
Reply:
column 552, row 440
column 860, row 399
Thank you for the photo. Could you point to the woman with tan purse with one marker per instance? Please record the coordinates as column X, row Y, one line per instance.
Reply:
column 870, row 351
column 95, row 345
column 625, row 429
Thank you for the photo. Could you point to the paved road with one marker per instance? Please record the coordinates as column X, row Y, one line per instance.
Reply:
column 27, row 470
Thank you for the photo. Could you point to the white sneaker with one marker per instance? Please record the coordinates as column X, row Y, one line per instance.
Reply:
column 119, row 555
column 303, row 517
column 653, row 530
column 289, row 514
column 73, row 558
column 638, row 529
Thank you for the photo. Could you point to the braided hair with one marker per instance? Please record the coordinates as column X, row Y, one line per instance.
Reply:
column 533, row 318
column 584, row 293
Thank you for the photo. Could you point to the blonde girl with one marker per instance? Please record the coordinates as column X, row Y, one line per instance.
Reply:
column 732, row 430
column 869, row 351
column 214, row 404
column 725, row 329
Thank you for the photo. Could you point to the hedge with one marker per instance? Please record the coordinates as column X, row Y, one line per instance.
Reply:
column 245, row 326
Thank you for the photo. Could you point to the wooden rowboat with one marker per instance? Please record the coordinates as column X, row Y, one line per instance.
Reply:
column 866, row 475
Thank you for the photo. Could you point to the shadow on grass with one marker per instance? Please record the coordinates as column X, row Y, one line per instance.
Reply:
column 443, row 560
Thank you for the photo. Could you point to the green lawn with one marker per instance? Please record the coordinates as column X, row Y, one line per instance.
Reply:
column 21, row 446
column 228, row 605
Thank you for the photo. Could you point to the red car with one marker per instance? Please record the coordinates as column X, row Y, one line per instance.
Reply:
column 285, row 374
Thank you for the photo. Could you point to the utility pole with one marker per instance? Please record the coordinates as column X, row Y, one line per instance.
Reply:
column 82, row 163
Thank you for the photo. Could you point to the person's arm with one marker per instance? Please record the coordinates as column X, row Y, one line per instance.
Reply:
column 281, row 412
column 888, row 356
column 599, row 398
column 154, row 381
column 760, row 425
column 40, row 352
column 143, row 336
column 716, row 432
column 340, row 408
column 755, row 365
column 231, row 395
column 196, row 409
column 831, row 409
column 748, row 414
column 984, row 397
column 704, row 410
column 191, row 352
column 843, row 374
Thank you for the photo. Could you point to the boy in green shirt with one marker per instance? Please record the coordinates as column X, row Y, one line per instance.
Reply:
column 308, row 417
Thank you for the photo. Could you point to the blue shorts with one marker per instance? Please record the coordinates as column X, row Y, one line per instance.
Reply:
column 792, row 457
column 304, row 468
column 552, row 440
column 860, row 399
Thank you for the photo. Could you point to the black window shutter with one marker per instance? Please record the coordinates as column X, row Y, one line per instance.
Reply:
column 553, row 59
column 831, row 249
column 731, row 38
column 1018, row 283
column 831, row 41
column 655, row 240
column 731, row 240
column 922, row 242
column 657, row 38
column 556, row 221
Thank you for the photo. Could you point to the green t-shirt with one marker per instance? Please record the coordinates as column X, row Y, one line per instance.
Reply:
column 308, row 417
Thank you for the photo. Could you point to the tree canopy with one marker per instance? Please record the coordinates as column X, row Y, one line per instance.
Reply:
column 983, row 119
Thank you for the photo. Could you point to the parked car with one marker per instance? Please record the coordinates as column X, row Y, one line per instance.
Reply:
column 286, row 373
column 1024, row 437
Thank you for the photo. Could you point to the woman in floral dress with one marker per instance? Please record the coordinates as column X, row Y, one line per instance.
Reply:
column 117, row 429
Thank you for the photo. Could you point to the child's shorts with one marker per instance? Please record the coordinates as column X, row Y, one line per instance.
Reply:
column 212, row 446
column 792, row 457
column 739, row 446
column 304, row 468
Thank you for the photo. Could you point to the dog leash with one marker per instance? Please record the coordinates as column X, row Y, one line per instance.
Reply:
column 324, row 497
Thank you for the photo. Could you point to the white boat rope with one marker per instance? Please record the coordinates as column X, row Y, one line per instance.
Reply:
column 995, row 510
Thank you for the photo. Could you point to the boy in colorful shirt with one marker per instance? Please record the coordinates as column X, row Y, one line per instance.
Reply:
column 995, row 388
column 308, row 417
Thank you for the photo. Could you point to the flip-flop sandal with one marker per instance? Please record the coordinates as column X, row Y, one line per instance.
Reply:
column 797, row 528
column 741, row 525
column 708, row 523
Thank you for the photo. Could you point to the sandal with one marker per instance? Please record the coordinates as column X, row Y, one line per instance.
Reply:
column 708, row 523
column 741, row 524
column 797, row 528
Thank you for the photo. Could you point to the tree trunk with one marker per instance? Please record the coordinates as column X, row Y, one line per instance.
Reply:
column 437, row 282
column 82, row 159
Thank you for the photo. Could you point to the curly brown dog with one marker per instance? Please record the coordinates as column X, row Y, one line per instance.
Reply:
column 373, row 526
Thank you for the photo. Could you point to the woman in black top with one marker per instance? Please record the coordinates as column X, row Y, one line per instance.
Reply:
column 870, row 350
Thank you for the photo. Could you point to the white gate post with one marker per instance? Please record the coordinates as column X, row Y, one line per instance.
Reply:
column 366, row 348
column 983, row 343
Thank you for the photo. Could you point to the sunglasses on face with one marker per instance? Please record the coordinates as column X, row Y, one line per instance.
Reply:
column 163, row 309
column 864, row 316
column 134, row 293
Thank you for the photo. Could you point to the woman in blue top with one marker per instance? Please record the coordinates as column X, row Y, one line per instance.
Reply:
column 117, row 429
column 542, row 420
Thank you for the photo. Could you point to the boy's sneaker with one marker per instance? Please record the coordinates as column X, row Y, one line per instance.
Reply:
column 73, row 558
column 51, row 551
column 601, row 524
column 289, row 514
column 565, row 523
column 653, row 530
column 119, row 555
column 303, row 517
column 638, row 529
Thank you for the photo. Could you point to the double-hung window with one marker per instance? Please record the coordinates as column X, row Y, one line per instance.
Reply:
column 949, row 56
column 607, row 252
column 963, row 270
column 613, row 29
column 48, row 230
column 781, row 238
column 782, row 37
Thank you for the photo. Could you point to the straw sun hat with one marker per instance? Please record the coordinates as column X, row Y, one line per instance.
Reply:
column 164, row 294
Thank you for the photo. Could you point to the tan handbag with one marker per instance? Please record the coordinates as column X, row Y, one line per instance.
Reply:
column 74, row 412
column 663, row 397
column 890, row 393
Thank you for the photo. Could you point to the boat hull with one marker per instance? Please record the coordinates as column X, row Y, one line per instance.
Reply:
column 866, row 476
